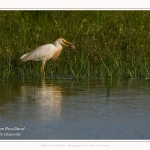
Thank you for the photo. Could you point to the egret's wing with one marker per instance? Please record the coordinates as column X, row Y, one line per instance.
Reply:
column 40, row 53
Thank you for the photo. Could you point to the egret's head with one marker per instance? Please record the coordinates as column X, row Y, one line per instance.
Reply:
column 63, row 41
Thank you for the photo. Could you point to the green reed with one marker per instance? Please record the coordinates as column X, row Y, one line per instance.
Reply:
column 109, row 44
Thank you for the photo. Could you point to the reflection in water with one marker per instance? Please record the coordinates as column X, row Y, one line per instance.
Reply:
column 48, row 98
column 65, row 109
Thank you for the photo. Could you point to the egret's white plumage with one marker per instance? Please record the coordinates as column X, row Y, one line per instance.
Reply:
column 45, row 52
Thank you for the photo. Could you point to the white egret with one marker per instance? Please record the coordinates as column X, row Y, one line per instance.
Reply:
column 45, row 52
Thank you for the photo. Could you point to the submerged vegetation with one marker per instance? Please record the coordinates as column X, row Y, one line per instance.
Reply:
column 109, row 44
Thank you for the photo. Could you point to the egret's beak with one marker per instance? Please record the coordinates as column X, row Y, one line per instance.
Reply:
column 66, row 43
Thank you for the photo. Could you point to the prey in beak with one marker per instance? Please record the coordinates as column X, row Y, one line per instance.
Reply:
column 71, row 46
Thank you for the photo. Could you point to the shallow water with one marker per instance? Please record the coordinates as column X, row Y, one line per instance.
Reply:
column 67, row 109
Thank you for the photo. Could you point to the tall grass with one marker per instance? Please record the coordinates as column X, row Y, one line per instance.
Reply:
column 113, row 44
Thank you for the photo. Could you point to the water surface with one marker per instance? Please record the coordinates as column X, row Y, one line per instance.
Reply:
column 68, row 109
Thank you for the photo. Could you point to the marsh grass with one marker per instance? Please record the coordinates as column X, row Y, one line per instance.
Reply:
column 109, row 44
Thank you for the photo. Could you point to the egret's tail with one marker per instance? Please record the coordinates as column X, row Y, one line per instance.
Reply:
column 23, row 57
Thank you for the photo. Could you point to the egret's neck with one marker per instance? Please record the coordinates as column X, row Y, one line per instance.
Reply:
column 57, row 50
column 58, row 45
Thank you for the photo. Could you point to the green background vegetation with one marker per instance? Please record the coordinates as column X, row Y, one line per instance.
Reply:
column 109, row 44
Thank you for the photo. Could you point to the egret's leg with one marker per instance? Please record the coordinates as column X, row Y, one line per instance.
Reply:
column 42, row 68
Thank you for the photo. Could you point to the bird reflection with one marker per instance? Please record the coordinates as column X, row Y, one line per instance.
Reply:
column 47, row 98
